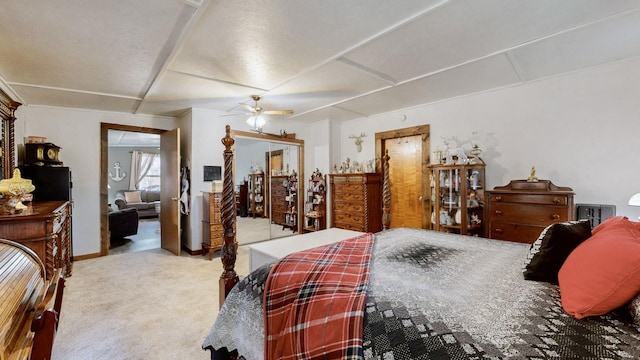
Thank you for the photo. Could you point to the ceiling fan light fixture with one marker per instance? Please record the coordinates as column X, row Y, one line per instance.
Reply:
column 256, row 121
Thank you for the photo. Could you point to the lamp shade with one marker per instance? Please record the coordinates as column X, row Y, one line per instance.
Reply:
column 256, row 121
column 635, row 200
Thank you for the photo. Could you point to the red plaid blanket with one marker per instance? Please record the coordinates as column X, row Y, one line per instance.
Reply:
column 314, row 302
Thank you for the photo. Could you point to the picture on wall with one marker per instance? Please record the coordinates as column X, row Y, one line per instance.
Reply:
column 212, row 173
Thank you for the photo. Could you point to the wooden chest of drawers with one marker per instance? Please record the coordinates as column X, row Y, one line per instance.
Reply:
column 212, row 231
column 356, row 201
column 521, row 210
column 277, row 202
column 45, row 228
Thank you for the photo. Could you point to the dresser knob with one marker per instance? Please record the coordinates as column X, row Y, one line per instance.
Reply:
column 499, row 231
column 555, row 216
column 498, row 198
column 556, row 201
column 498, row 212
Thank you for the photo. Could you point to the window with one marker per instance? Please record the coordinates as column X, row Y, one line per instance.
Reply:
column 151, row 180
column 146, row 168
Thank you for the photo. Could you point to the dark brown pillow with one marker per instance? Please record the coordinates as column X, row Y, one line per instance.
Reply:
column 551, row 249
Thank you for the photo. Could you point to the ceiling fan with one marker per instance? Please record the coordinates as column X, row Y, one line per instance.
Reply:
column 256, row 120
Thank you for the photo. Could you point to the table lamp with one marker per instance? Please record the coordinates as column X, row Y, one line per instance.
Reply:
column 635, row 201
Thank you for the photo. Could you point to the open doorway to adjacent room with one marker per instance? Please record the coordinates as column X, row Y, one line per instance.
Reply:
column 133, row 190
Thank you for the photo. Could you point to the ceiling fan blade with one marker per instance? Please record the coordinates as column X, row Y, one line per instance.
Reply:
column 237, row 114
column 249, row 107
column 278, row 112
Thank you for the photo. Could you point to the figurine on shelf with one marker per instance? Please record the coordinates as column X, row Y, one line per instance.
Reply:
column 474, row 179
column 532, row 177
column 370, row 165
column 335, row 168
column 475, row 220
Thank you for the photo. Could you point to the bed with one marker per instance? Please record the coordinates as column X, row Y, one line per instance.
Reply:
column 432, row 295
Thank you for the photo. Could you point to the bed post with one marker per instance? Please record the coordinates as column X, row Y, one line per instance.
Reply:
column 228, row 215
column 386, row 192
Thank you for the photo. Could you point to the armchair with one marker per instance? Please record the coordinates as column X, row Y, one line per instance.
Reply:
column 122, row 223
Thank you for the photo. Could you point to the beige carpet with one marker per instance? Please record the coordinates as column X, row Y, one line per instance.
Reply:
column 140, row 305
column 250, row 230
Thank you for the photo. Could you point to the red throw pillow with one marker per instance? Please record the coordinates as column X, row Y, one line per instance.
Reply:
column 602, row 273
column 609, row 222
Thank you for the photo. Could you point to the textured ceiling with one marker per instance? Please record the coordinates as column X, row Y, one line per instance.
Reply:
column 324, row 59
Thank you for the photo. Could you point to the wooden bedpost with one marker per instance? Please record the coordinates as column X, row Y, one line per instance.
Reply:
column 229, row 276
column 386, row 192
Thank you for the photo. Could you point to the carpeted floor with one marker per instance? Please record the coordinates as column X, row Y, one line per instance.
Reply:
column 140, row 305
column 250, row 230
column 148, row 237
column 142, row 302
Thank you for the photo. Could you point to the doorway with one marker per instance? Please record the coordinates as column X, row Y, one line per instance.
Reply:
column 409, row 153
column 146, row 227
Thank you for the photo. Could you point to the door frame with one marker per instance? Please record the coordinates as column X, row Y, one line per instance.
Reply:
column 104, row 176
column 425, row 132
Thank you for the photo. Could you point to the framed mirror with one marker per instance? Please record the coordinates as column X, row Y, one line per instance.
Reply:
column 7, row 142
column 267, row 170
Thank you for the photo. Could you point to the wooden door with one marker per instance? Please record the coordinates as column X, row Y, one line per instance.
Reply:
column 409, row 155
column 170, row 191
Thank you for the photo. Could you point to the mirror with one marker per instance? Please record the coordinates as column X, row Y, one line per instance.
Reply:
column 7, row 142
column 267, row 174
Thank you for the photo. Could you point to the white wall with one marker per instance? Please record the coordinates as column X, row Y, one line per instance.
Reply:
column 202, row 141
column 122, row 155
column 579, row 130
column 78, row 133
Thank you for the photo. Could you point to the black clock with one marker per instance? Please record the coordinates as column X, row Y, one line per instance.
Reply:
column 41, row 154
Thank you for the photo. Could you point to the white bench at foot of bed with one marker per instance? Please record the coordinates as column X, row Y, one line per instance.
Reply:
column 272, row 250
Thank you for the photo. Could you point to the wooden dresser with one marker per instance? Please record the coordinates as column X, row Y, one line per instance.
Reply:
column 283, row 200
column 277, row 202
column 520, row 210
column 45, row 228
column 212, row 231
column 356, row 201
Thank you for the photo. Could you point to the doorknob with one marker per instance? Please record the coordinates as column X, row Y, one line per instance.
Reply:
column 174, row 198
column 420, row 198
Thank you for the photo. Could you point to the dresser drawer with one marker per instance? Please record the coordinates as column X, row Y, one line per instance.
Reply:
column 527, row 214
column 551, row 199
column 349, row 226
column 350, row 196
column 278, row 207
column 346, row 206
column 515, row 232
column 349, row 218
column 349, row 187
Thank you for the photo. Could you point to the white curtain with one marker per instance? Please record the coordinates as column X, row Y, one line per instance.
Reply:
column 140, row 164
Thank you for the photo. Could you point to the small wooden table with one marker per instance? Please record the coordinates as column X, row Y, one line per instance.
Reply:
column 272, row 250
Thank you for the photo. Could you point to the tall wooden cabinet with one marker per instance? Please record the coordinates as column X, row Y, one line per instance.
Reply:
column 257, row 195
column 520, row 210
column 45, row 228
column 315, row 211
column 457, row 197
column 212, row 231
column 356, row 201
column 284, row 193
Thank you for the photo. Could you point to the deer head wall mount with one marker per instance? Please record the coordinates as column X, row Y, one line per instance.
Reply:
column 358, row 140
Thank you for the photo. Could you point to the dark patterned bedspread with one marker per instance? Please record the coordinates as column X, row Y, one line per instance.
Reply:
column 440, row 296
